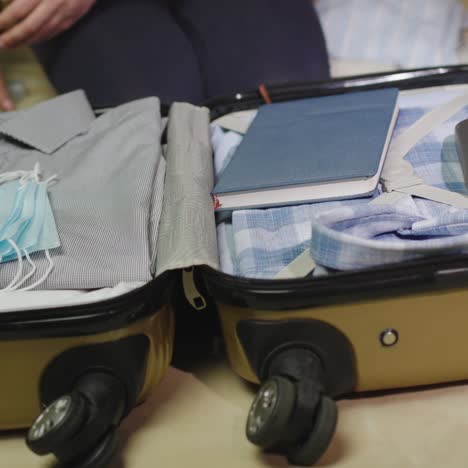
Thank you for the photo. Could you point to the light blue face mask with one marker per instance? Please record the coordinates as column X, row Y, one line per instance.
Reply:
column 27, row 223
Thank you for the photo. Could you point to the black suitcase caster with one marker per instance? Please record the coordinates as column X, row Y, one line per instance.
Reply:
column 291, row 414
column 80, row 428
column 272, row 417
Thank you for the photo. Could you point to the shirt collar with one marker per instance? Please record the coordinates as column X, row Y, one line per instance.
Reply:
column 50, row 124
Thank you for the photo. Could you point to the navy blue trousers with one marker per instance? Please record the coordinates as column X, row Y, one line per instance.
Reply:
column 185, row 50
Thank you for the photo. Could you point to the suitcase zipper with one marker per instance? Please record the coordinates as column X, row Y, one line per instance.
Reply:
column 192, row 294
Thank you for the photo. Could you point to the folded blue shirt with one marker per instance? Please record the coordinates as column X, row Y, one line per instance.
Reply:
column 351, row 238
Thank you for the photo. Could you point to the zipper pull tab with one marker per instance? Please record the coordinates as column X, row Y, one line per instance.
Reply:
column 193, row 295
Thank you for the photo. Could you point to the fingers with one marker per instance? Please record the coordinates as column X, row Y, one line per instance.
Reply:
column 23, row 32
column 15, row 12
column 51, row 28
column 63, row 20
column 6, row 103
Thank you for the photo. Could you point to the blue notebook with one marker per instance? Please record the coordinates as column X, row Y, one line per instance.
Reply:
column 315, row 149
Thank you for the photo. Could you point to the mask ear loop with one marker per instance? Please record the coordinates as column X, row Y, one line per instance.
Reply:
column 29, row 275
column 44, row 276
column 19, row 270
column 10, row 176
column 23, row 176
column 51, row 180
column 36, row 173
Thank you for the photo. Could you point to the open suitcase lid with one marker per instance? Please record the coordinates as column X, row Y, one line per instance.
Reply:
column 187, row 234
column 427, row 274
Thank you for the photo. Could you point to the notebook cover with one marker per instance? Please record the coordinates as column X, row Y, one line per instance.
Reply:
column 310, row 141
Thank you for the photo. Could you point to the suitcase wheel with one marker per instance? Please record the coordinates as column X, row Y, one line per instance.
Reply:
column 80, row 428
column 271, row 411
column 273, row 415
column 292, row 413
column 314, row 446
column 60, row 421
column 103, row 455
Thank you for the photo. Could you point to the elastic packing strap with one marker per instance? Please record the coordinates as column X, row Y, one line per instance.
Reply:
column 301, row 266
column 398, row 177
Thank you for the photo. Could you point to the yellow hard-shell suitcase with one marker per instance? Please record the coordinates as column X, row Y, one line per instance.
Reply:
column 307, row 340
column 310, row 341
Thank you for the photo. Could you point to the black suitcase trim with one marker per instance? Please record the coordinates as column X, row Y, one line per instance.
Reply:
column 89, row 319
column 431, row 274
column 404, row 80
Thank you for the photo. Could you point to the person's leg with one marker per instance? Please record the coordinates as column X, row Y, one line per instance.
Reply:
column 243, row 43
column 124, row 50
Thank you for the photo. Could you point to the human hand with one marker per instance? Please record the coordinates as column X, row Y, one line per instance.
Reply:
column 6, row 103
column 24, row 22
